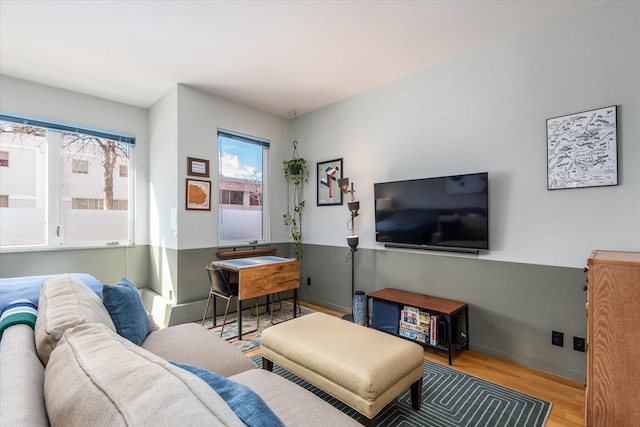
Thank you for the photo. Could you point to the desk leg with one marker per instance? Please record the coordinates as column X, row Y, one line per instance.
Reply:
column 295, row 303
column 239, row 319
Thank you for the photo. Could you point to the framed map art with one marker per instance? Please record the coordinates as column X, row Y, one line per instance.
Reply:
column 582, row 149
column 198, row 195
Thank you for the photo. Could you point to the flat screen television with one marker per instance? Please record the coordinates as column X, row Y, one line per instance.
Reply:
column 448, row 213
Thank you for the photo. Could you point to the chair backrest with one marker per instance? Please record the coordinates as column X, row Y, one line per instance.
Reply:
column 219, row 283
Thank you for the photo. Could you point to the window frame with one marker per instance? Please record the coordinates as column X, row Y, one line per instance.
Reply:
column 266, row 228
column 54, row 198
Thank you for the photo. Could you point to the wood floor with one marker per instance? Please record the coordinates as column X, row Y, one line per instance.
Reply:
column 567, row 396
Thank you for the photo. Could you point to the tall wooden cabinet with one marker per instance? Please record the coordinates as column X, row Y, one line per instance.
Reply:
column 613, row 349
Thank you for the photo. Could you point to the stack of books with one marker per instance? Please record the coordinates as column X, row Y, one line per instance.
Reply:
column 415, row 324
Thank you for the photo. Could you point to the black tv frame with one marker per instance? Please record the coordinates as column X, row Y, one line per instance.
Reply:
column 431, row 247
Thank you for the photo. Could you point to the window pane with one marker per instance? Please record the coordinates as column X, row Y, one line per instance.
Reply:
column 80, row 166
column 4, row 158
column 240, row 181
column 92, row 188
column 23, row 180
column 255, row 199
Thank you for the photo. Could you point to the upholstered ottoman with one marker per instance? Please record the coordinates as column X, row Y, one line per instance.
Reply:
column 362, row 367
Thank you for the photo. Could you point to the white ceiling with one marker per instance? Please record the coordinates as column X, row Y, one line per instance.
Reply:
column 276, row 56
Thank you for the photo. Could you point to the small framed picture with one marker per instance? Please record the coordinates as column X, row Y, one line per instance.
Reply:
column 198, row 195
column 198, row 167
column 329, row 173
column 582, row 149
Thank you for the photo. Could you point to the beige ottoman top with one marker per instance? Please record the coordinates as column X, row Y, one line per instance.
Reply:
column 365, row 361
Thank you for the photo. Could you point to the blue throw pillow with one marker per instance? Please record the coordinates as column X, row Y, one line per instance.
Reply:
column 246, row 404
column 124, row 304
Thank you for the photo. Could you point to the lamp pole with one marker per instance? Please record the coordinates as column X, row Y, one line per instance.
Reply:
column 352, row 240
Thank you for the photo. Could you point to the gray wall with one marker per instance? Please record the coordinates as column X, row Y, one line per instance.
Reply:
column 513, row 307
column 108, row 265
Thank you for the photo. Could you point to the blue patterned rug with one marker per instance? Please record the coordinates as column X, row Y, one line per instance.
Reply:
column 449, row 399
column 250, row 331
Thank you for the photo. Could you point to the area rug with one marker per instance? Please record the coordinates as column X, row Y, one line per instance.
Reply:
column 250, row 334
column 449, row 399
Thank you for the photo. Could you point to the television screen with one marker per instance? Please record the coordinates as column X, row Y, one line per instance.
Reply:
column 443, row 213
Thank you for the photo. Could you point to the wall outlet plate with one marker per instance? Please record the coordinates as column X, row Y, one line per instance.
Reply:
column 557, row 338
column 579, row 344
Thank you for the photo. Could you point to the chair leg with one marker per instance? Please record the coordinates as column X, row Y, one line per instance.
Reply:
column 257, row 313
column 224, row 319
column 273, row 303
column 207, row 309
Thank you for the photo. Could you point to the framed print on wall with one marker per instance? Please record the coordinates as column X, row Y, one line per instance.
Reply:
column 198, row 167
column 329, row 173
column 198, row 195
column 582, row 149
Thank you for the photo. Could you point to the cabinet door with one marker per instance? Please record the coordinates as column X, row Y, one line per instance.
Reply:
column 613, row 362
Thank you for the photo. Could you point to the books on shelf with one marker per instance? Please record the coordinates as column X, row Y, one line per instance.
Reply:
column 414, row 324
column 433, row 339
column 425, row 327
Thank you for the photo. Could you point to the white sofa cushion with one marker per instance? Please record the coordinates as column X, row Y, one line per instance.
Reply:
column 192, row 344
column 65, row 302
column 95, row 377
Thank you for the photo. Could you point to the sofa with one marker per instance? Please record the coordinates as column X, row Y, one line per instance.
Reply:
column 77, row 355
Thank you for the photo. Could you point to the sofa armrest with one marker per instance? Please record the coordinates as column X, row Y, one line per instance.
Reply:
column 22, row 384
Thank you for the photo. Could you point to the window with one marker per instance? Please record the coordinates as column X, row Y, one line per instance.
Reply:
column 64, row 185
column 242, row 211
column 228, row 197
column 4, row 158
column 80, row 166
column 255, row 199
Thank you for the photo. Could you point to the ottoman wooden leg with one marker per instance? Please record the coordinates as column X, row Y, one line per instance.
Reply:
column 367, row 422
column 416, row 394
column 268, row 364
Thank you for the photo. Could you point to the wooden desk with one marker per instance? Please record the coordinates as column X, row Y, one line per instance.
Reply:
column 259, row 276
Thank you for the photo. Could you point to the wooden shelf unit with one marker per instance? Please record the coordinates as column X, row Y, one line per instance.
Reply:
column 446, row 308
column 613, row 339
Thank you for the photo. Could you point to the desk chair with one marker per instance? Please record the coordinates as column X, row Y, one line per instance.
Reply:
column 220, row 287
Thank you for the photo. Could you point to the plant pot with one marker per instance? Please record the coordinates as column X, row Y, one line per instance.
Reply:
column 294, row 170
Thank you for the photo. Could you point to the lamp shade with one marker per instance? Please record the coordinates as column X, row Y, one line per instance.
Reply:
column 343, row 183
column 353, row 241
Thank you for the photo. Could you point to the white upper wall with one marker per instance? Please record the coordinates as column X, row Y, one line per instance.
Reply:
column 199, row 116
column 163, row 170
column 46, row 102
column 487, row 111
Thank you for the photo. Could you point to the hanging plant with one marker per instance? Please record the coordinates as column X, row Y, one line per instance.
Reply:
column 296, row 173
column 293, row 169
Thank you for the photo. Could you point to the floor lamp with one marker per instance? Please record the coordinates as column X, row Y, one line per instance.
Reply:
column 352, row 240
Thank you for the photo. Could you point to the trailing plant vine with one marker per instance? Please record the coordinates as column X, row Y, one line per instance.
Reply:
column 296, row 173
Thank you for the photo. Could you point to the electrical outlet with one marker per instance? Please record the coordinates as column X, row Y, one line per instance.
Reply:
column 579, row 344
column 557, row 338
